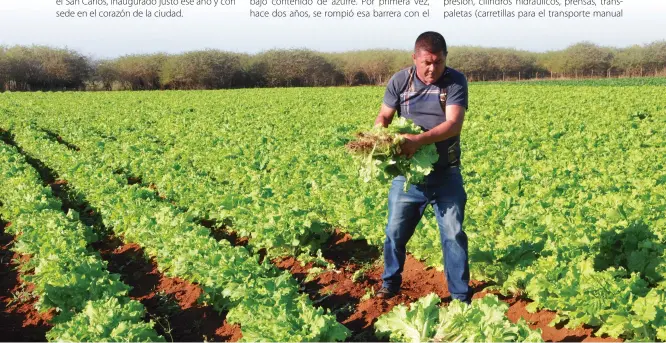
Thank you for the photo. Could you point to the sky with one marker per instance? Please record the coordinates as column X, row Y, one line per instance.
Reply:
column 230, row 28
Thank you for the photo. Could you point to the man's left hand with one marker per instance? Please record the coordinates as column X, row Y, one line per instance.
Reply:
column 410, row 145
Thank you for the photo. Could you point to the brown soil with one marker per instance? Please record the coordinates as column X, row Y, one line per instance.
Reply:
column 170, row 302
column 342, row 250
column 541, row 319
column 335, row 291
column 19, row 320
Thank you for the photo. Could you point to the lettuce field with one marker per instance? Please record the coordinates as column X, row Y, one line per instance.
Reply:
column 239, row 215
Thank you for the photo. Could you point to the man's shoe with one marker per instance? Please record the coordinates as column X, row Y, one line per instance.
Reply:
column 385, row 293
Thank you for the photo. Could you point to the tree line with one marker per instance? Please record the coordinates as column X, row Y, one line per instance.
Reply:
column 35, row 68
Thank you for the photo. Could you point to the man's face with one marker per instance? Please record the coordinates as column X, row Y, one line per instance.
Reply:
column 429, row 66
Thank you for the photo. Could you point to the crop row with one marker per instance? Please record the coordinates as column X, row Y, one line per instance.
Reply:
column 264, row 301
column 566, row 184
column 91, row 304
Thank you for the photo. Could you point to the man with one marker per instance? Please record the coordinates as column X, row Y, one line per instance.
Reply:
column 435, row 97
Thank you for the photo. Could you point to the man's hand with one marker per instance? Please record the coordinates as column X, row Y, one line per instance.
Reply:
column 452, row 127
column 410, row 145
column 385, row 116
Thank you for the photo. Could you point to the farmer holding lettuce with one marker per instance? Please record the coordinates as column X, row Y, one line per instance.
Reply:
column 435, row 98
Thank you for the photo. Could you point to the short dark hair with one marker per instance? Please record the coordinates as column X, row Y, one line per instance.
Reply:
column 430, row 41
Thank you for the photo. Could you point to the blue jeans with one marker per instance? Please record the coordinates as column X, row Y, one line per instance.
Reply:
column 444, row 190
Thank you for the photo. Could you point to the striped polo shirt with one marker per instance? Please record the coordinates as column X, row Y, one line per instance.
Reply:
column 425, row 105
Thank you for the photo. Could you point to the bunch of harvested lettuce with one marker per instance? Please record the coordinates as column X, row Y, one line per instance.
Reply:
column 378, row 152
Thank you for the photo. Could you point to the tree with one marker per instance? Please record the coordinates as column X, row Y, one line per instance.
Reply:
column 208, row 69
column 45, row 68
column 139, row 72
column 586, row 58
column 106, row 73
column 473, row 61
column 4, row 68
column 506, row 61
column 632, row 60
column 297, row 67
column 655, row 56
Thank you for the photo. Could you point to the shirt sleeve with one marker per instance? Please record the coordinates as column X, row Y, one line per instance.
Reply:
column 458, row 93
column 392, row 93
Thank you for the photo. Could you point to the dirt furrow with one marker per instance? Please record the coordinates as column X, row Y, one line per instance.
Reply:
column 348, row 291
column 19, row 320
column 170, row 302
